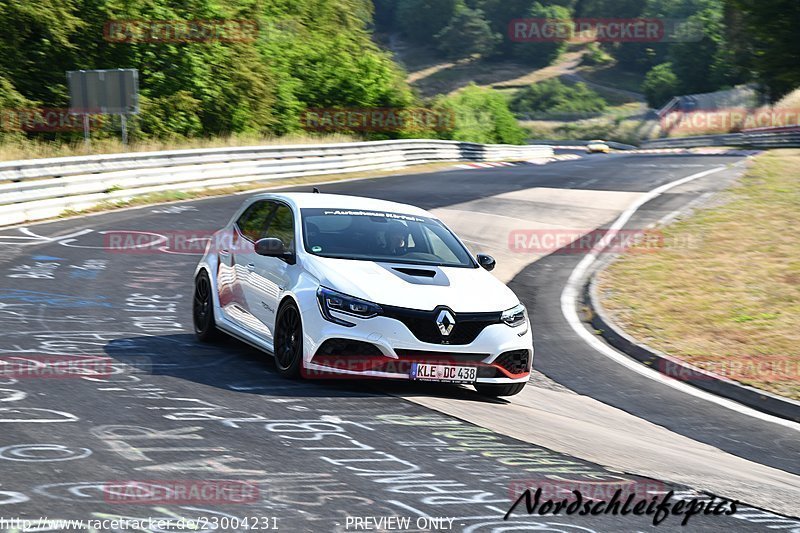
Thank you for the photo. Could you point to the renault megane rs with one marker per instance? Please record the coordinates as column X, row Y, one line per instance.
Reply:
column 354, row 287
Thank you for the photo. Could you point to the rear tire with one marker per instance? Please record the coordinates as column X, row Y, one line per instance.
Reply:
column 509, row 389
column 289, row 341
column 205, row 327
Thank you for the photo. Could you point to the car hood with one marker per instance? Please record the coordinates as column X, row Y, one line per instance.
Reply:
column 465, row 290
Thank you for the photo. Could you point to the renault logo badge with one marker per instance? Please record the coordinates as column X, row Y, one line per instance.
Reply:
column 445, row 321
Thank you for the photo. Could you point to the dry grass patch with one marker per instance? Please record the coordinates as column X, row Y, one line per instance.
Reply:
column 728, row 301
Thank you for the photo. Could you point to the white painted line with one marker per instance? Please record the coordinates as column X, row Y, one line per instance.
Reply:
column 569, row 300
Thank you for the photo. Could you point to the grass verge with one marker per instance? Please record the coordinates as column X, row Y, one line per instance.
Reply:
column 23, row 148
column 727, row 298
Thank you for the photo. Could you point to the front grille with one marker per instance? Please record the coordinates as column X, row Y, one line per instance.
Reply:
column 441, row 357
column 516, row 362
column 423, row 324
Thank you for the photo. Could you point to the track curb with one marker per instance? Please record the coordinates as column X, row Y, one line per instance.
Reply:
column 671, row 367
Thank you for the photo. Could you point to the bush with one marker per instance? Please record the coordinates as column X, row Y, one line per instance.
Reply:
column 596, row 56
column 660, row 85
column 553, row 96
column 176, row 115
column 481, row 116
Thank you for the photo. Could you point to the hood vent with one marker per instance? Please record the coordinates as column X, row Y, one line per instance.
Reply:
column 417, row 275
column 418, row 272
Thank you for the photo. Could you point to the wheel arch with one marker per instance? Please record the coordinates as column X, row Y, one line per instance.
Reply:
column 288, row 297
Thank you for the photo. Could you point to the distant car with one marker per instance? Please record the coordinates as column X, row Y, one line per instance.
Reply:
column 597, row 147
column 355, row 287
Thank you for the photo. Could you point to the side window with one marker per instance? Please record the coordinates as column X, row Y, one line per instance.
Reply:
column 282, row 226
column 253, row 222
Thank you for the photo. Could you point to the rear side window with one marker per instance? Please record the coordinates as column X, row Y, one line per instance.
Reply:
column 253, row 222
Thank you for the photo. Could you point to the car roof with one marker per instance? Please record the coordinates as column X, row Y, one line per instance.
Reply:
column 304, row 200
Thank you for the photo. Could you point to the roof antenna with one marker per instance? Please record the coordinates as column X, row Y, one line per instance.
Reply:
column 316, row 190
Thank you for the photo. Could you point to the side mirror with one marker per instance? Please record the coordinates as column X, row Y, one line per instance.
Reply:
column 272, row 247
column 487, row 262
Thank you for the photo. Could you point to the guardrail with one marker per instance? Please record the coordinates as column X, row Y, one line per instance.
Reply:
column 43, row 188
column 752, row 139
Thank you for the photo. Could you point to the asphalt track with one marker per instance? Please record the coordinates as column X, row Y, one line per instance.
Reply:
column 172, row 410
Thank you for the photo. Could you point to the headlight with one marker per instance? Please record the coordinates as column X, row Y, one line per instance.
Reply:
column 516, row 316
column 330, row 300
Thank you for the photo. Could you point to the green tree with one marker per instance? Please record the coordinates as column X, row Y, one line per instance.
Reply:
column 499, row 14
column 467, row 33
column 701, row 65
column 540, row 54
column 421, row 20
column 305, row 52
column 771, row 43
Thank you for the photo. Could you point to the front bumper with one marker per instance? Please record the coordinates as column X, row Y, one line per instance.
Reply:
column 385, row 348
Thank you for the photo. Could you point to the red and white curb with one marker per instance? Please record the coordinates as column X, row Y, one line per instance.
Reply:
column 566, row 157
column 488, row 164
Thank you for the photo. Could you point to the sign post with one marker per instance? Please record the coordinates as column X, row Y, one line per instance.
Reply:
column 113, row 92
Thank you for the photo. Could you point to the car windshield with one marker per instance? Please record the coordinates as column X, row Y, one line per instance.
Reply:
column 382, row 236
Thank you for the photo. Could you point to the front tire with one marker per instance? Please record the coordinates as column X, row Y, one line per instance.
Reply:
column 509, row 389
column 205, row 327
column 289, row 341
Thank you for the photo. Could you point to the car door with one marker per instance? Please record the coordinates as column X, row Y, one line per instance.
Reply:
column 269, row 276
column 238, row 262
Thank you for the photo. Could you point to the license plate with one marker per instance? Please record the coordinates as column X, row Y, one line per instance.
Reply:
column 444, row 373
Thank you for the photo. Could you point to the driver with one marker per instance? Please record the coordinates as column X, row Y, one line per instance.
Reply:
column 396, row 237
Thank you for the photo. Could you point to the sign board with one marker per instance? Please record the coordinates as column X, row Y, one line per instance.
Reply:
column 113, row 91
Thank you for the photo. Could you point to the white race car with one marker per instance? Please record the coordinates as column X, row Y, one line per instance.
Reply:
column 343, row 286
